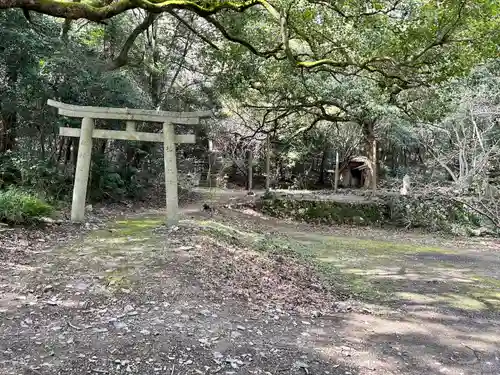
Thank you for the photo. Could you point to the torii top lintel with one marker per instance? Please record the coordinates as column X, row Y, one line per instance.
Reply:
column 183, row 118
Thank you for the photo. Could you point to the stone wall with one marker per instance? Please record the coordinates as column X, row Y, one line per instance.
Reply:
column 436, row 213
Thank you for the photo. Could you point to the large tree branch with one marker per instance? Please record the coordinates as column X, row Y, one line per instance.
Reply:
column 443, row 37
column 122, row 59
column 243, row 42
column 99, row 10
column 71, row 10
column 316, row 109
column 406, row 72
column 192, row 29
column 346, row 14
column 482, row 209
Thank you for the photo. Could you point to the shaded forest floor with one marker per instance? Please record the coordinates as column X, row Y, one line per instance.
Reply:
column 233, row 292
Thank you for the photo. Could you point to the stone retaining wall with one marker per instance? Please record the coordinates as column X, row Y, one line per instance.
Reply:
column 434, row 213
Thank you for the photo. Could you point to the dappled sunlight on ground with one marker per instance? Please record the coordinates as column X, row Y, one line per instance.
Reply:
column 420, row 343
column 225, row 293
column 435, row 291
column 432, row 275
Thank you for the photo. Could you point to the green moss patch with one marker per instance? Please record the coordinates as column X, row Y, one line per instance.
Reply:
column 133, row 226
column 324, row 211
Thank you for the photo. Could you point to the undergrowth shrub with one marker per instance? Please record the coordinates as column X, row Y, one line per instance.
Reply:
column 109, row 179
column 115, row 181
column 433, row 212
column 9, row 173
column 45, row 175
column 32, row 174
column 17, row 206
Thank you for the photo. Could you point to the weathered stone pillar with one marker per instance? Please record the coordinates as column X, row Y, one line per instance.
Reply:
column 130, row 126
column 170, row 174
column 82, row 170
column 268, row 164
column 337, row 170
column 250, row 170
column 375, row 162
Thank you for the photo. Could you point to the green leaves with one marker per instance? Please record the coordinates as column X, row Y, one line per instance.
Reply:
column 308, row 15
column 17, row 207
column 94, row 37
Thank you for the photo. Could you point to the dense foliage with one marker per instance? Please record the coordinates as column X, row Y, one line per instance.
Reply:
column 410, row 86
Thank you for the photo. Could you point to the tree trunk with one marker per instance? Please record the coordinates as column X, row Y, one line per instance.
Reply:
column 74, row 152
column 321, row 179
column 42, row 141
column 374, row 165
column 371, row 153
column 69, row 157
column 8, row 122
column 104, row 144
column 8, row 114
column 155, row 84
column 60, row 146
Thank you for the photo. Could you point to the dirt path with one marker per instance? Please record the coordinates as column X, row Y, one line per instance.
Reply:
column 205, row 298
column 437, row 308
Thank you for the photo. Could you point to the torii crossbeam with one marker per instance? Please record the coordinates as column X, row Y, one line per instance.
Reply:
column 131, row 116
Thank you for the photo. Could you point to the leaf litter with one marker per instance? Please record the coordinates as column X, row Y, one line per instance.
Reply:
column 184, row 302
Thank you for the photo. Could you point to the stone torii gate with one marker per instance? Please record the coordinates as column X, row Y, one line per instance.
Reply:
column 87, row 132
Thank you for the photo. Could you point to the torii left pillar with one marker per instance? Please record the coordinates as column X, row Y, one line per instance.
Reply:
column 82, row 170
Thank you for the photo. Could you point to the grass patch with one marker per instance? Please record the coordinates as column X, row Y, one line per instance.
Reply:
column 327, row 245
column 372, row 247
column 134, row 226
column 119, row 278
column 127, row 230
column 487, row 281
column 20, row 207
column 228, row 234
column 123, row 238
column 472, row 302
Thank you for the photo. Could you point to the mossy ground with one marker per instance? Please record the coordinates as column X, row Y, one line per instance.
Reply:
column 380, row 271
column 118, row 253
column 139, row 290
